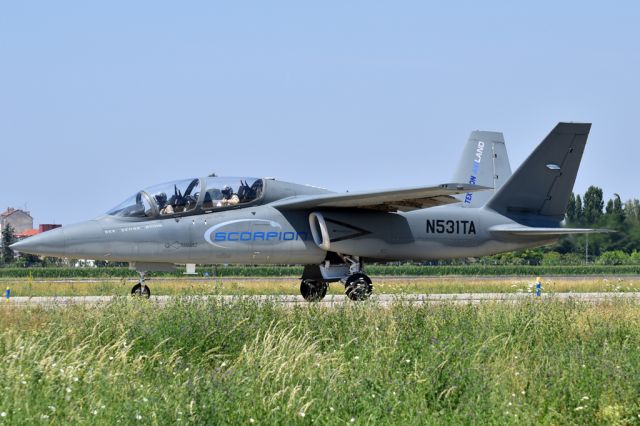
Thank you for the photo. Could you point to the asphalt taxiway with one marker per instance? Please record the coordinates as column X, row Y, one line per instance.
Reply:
column 334, row 300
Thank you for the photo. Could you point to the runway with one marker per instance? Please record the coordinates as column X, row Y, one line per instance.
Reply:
column 333, row 300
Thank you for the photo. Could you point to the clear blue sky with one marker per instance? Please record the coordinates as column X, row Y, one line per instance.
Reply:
column 99, row 99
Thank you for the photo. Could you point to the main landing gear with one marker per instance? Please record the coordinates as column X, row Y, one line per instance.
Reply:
column 358, row 287
column 313, row 290
column 349, row 271
column 141, row 289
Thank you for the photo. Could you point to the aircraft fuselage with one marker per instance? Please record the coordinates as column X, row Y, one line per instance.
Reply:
column 265, row 235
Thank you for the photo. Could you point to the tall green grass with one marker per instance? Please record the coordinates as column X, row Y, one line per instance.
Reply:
column 216, row 363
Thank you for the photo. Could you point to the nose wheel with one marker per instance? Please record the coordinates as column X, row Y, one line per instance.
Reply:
column 141, row 289
column 313, row 290
column 358, row 287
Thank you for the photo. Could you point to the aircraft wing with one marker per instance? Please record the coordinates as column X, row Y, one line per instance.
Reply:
column 403, row 199
column 532, row 231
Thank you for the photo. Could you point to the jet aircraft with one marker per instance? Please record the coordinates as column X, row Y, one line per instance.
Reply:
column 249, row 221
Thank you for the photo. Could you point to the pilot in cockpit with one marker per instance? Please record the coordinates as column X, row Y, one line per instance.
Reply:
column 228, row 197
column 163, row 207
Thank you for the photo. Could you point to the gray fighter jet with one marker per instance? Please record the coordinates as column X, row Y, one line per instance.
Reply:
column 249, row 221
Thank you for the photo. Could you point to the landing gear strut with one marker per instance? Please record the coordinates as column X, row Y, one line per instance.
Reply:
column 313, row 290
column 141, row 289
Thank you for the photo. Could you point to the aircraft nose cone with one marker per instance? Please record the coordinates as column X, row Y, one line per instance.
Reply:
column 50, row 243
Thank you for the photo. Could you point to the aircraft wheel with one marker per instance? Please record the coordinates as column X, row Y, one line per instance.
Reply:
column 313, row 291
column 358, row 287
column 141, row 290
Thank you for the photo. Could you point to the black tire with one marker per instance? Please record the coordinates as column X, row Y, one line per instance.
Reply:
column 139, row 290
column 313, row 291
column 358, row 287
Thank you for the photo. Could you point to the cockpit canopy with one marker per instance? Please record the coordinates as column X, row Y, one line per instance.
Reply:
column 190, row 196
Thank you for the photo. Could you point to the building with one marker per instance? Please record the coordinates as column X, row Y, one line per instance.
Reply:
column 19, row 220
column 42, row 228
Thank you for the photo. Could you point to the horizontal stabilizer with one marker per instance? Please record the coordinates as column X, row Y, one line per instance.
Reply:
column 392, row 200
column 527, row 230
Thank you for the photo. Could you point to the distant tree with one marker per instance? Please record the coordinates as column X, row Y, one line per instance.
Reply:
column 570, row 215
column 593, row 205
column 8, row 238
column 632, row 212
column 615, row 212
column 618, row 209
column 578, row 209
column 609, row 209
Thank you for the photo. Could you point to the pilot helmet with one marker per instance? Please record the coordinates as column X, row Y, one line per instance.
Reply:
column 227, row 191
column 161, row 199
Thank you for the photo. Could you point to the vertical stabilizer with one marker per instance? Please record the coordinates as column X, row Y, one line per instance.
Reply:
column 484, row 162
column 538, row 192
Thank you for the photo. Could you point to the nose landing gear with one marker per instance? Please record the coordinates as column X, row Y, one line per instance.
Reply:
column 141, row 289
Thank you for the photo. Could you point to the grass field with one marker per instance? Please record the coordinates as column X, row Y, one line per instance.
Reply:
column 268, row 286
column 245, row 363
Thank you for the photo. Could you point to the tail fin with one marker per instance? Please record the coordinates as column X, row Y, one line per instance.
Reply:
column 484, row 162
column 538, row 192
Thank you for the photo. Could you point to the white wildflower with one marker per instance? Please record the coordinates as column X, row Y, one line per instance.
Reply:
column 138, row 417
column 332, row 409
column 584, row 398
column 94, row 412
column 252, row 420
column 356, row 357
column 301, row 413
column 68, row 390
column 3, row 414
column 578, row 408
column 407, row 361
column 44, row 417
column 353, row 419
column 75, row 379
column 522, row 392
column 110, row 358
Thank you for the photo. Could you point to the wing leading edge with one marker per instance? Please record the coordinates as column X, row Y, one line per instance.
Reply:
column 403, row 199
